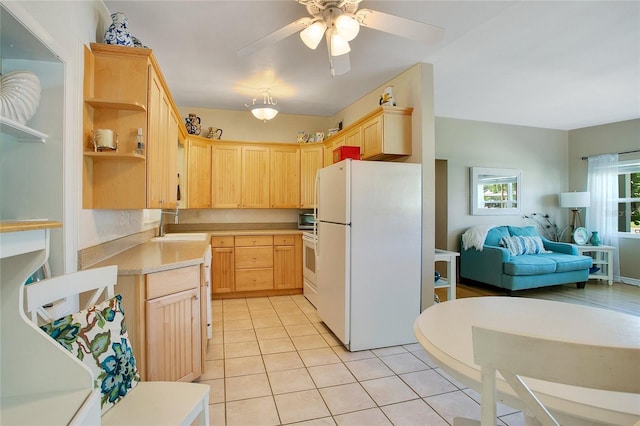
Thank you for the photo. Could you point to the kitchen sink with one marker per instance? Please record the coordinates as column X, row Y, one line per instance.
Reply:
column 182, row 236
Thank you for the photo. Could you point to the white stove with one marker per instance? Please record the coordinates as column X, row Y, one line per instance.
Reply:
column 309, row 243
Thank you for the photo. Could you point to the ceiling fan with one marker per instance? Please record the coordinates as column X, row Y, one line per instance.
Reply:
column 339, row 21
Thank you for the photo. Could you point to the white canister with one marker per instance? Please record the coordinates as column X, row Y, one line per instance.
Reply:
column 105, row 139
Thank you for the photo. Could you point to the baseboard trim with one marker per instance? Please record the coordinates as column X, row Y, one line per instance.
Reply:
column 632, row 281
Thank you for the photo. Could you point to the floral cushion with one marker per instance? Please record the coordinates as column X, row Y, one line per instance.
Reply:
column 98, row 337
column 523, row 245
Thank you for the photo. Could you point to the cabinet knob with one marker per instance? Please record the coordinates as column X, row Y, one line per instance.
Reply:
column 197, row 297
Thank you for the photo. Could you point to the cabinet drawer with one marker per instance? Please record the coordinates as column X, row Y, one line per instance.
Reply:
column 254, row 257
column 222, row 241
column 172, row 281
column 284, row 240
column 254, row 279
column 254, row 240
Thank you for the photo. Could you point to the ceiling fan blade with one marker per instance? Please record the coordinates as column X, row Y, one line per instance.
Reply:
column 399, row 26
column 275, row 37
column 340, row 64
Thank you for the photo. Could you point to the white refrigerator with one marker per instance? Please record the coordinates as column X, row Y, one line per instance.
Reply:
column 369, row 251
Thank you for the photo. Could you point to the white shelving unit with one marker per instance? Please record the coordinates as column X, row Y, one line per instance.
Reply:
column 450, row 282
column 603, row 259
column 42, row 383
column 32, row 155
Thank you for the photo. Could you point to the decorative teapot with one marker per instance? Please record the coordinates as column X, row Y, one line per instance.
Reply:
column 193, row 124
column 214, row 133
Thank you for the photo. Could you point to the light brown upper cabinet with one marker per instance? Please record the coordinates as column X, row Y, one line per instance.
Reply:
column 387, row 134
column 311, row 160
column 384, row 134
column 285, row 177
column 353, row 137
column 124, row 91
column 226, row 176
column 255, row 177
column 162, row 147
column 198, row 161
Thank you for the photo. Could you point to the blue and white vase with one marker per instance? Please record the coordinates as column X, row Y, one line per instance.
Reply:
column 193, row 124
column 118, row 32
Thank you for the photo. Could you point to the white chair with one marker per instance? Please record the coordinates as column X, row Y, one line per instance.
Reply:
column 515, row 356
column 148, row 403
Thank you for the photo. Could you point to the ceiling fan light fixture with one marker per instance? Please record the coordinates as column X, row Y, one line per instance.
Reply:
column 339, row 46
column 267, row 110
column 347, row 27
column 312, row 35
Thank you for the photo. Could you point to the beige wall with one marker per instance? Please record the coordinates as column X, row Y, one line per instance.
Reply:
column 604, row 139
column 412, row 88
column 240, row 125
column 541, row 154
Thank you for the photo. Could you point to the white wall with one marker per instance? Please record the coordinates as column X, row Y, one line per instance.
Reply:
column 604, row 139
column 541, row 154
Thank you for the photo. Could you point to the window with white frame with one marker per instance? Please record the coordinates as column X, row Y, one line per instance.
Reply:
column 629, row 196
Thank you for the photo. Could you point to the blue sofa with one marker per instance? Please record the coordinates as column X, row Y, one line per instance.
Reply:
column 557, row 263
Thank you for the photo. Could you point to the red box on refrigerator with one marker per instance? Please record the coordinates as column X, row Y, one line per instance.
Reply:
column 344, row 152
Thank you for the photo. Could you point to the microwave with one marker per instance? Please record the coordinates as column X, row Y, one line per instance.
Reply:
column 306, row 220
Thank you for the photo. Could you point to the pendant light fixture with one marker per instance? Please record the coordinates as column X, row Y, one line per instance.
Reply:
column 266, row 110
column 339, row 27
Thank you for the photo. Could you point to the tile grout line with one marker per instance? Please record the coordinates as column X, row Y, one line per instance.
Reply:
column 342, row 362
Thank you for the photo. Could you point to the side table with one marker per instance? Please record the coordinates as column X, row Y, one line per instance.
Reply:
column 602, row 258
column 450, row 282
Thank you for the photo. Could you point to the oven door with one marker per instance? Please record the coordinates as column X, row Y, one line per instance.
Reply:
column 309, row 267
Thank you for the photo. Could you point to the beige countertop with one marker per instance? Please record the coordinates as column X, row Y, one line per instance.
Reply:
column 153, row 256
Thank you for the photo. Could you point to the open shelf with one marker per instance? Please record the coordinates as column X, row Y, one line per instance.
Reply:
column 111, row 155
column 114, row 104
column 22, row 132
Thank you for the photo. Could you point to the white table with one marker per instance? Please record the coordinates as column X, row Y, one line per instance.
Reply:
column 444, row 331
column 602, row 258
column 450, row 282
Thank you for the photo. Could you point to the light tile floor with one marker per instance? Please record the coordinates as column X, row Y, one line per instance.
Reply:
column 273, row 362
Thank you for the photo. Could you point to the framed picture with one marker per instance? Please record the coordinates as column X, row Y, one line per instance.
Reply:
column 494, row 191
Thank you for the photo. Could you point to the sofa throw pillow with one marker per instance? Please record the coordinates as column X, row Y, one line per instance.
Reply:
column 523, row 231
column 98, row 337
column 523, row 245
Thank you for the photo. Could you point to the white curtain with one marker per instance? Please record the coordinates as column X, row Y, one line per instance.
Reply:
column 602, row 216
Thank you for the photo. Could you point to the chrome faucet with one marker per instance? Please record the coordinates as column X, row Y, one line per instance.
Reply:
column 162, row 213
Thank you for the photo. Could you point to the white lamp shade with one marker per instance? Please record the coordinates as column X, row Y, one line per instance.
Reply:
column 347, row 27
column 264, row 112
column 339, row 46
column 575, row 199
column 312, row 35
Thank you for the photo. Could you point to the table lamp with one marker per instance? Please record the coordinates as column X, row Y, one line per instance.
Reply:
column 575, row 201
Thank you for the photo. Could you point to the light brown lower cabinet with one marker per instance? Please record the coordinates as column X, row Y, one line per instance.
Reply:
column 287, row 261
column 166, row 322
column 174, row 336
column 256, row 265
column 222, row 265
